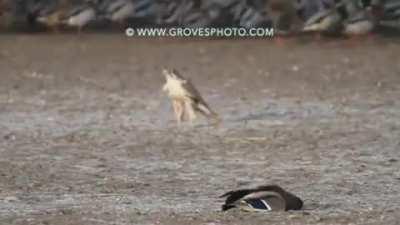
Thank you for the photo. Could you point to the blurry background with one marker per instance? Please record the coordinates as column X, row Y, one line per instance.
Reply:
column 284, row 15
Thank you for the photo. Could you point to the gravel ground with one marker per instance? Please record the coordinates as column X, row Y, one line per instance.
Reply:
column 89, row 138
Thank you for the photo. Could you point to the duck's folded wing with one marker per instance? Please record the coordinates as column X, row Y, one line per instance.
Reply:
column 293, row 202
column 233, row 196
column 265, row 200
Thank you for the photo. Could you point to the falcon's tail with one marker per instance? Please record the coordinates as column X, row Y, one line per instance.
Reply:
column 204, row 109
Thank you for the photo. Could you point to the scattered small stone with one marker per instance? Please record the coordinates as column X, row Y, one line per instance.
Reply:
column 392, row 160
column 295, row 68
column 10, row 137
column 202, row 50
column 10, row 199
column 251, row 59
column 126, row 202
column 66, row 211
column 211, row 223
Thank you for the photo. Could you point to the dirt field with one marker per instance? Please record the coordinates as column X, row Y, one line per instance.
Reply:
column 89, row 138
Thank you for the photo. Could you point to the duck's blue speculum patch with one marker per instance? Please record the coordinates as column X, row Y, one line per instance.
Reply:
column 258, row 204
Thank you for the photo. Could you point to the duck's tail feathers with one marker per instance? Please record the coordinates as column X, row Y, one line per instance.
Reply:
column 227, row 207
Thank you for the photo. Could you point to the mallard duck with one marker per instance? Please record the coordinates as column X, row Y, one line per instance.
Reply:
column 308, row 8
column 283, row 14
column 176, row 11
column 252, row 17
column 119, row 10
column 186, row 99
column 80, row 15
column 246, row 15
column 52, row 20
column 263, row 198
column 197, row 18
column 215, row 12
column 359, row 24
column 391, row 9
column 328, row 21
column 146, row 9
column 364, row 18
column 50, row 14
column 390, row 13
column 188, row 14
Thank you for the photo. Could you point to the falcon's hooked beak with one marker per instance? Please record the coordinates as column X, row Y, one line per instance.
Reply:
column 165, row 72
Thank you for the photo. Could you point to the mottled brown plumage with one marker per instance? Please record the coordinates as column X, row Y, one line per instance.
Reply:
column 186, row 99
